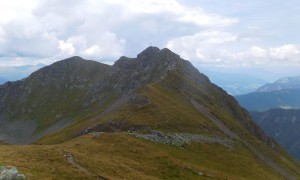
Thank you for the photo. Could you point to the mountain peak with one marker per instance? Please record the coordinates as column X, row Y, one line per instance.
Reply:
column 148, row 52
column 74, row 58
column 281, row 84
column 170, row 55
column 69, row 61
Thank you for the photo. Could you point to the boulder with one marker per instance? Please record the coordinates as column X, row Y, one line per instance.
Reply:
column 10, row 173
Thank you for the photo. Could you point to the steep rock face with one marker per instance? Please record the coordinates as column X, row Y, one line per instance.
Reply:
column 283, row 125
column 150, row 65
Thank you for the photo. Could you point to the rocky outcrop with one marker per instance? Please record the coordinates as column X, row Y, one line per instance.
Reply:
column 10, row 173
column 179, row 139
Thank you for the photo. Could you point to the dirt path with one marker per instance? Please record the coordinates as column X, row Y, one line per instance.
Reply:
column 71, row 159
column 232, row 134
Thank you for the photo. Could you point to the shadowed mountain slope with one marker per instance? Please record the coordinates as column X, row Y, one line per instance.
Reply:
column 262, row 101
column 283, row 125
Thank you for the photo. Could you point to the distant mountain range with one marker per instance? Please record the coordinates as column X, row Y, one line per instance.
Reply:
column 283, row 125
column 154, row 116
column 234, row 83
column 262, row 101
column 274, row 108
column 283, row 93
column 281, row 84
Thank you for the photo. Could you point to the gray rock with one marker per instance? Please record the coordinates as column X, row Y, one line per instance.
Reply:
column 200, row 173
column 179, row 139
column 10, row 173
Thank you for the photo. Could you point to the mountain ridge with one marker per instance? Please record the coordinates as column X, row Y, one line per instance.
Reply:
column 154, row 94
column 71, row 77
column 262, row 101
column 281, row 84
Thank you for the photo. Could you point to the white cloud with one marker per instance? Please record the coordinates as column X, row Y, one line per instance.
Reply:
column 96, row 29
column 14, row 9
column 205, row 37
column 93, row 51
column 202, row 46
column 181, row 13
column 257, row 52
column 66, row 47
column 49, row 30
column 213, row 47
column 56, row 29
column 2, row 36
column 201, row 18
column 285, row 52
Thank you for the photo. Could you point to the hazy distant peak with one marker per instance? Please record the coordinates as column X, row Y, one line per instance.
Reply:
column 281, row 84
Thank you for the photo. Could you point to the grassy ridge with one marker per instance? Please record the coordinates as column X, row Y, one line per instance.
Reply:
column 163, row 104
column 169, row 110
column 110, row 156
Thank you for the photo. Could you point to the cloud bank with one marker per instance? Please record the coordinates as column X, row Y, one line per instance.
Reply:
column 240, row 35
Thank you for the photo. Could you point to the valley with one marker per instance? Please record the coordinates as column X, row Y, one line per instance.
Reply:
column 275, row 108
column 283, row 125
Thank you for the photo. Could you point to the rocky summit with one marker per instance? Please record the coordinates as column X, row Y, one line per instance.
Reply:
column 150, row 117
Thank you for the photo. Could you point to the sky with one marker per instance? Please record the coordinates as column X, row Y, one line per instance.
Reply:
column 253, row 37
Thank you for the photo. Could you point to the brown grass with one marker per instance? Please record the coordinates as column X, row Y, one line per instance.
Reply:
column 122, row 156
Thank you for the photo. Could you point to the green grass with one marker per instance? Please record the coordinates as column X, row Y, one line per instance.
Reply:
column 122, row 156
column 170, row 111
column 111, row 157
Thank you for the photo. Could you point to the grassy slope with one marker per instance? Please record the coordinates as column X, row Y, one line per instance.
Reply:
column 166, row 112
column 170, row 112
column 109, row 156
column 216, row 159
column 56, row 93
